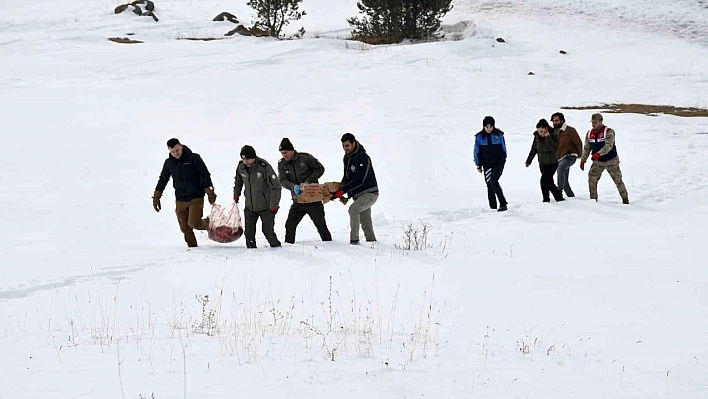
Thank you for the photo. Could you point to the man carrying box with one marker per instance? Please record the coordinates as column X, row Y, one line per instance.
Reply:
column 359, row 182
column 297, row 170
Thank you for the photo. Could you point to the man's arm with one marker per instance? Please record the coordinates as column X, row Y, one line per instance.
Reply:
column 577, row 143
column 238, row 182
column 586, row 149
column 609, row 142
column 275, row 188
column 284, row 177
column 164, row 178
column 317, row 168
column 202, row 172
column 476, row 151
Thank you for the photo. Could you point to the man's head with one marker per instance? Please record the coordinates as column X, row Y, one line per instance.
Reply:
column 175, row 148
column 558, row 119
column 596, row 120
column 286, row 149
column 248, row 155
column 488, row 124
column 348, row 143
column 542, row 127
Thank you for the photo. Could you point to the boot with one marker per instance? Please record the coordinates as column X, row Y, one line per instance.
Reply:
column 251, row 244
column 502, row 208
column 625, row 200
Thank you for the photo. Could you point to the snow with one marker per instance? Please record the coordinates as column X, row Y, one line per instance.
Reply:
column 99, row 296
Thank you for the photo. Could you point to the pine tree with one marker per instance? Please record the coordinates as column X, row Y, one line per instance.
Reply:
column 391, row 21
column 273, row 15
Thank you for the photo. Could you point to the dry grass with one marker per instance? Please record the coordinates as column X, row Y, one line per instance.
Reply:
column 375, row 40
column 123, row 40
column 645, row 109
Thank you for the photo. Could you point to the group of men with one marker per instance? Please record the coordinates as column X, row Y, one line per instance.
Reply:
column 261, row 188
column 557, row 148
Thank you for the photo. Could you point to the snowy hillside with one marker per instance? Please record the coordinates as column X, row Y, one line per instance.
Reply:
column 100, row 298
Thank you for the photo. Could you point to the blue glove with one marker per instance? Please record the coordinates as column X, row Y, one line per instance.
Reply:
column 296, row 190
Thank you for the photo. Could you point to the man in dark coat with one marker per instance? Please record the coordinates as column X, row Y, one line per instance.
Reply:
column 191, row 180
column 294, row 169
column 490, row 157
column 359, row 182
column 261, row 188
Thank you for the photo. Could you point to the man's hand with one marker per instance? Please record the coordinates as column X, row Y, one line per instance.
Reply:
column 596, row 156
column 582, row 165
column 156, row 200
column 336, row 194
column 274, row 210
column 528, row 164
column 297, row 190
column 211, row 196
column 479, row 169
column 236, row 199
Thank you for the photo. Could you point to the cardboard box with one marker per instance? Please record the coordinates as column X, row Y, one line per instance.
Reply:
column 317, row 192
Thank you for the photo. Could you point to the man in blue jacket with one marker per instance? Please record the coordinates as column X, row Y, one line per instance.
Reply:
column 359, row 182
column 490, row 157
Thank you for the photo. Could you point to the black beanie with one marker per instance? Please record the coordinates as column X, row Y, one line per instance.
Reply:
column 286, row 145
column 488, row 120
column 247, row 152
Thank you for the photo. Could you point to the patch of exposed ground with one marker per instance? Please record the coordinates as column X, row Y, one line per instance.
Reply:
column 645, row 109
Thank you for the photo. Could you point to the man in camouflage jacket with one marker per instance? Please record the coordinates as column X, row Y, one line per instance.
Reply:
column 600, row 141
column 294, row 169
column 262, row 191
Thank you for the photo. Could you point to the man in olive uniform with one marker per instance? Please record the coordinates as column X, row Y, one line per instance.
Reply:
column 296, row 168
column 262, row 191
column 191, row 179
column 600, row 142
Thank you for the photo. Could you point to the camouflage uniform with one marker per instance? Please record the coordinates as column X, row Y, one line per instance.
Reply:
column 602, row 142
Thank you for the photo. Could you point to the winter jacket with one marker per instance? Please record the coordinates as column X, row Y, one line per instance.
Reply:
column 602, row 141
column 489, row 148
column 260, row 184
column 569, row 142
column 189, row 173
column 359, row 177
column 303, row 168
column 545, row 147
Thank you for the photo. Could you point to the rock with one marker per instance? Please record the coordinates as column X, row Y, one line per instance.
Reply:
column 531, row 73
column 121, row 8
column 137, row 10
column 563, row 52
column 151, row 14
column 226, row 16
column 501, row 40
column 241, row 30
column 150, row 6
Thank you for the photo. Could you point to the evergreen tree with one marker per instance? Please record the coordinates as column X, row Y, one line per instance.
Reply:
column 273, row 15
column 391, row 21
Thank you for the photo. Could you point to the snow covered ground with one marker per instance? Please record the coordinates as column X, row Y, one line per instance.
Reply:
column 100, row 298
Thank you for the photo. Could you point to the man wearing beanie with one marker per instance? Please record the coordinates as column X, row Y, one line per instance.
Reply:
column 490, row 157
column 191, row 180
column 262, row 195
column 359, row 182
column 294, row 169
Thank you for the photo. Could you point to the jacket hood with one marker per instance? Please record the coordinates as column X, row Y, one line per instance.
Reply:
column 185, row 153
column 359, row 149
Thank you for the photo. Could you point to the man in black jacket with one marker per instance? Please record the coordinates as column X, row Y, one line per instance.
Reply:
column 294, row 169
column 359, row 182
column 190, row 179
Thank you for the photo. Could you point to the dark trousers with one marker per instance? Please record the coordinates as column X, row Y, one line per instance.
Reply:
column 547, row 185
column 267, row 224
column 315, row 210
column 494, row 190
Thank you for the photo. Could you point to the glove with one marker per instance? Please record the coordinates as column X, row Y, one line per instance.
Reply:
column 479, row 169
column 274, row 210
column 337, row 194
column 595, row 156
column 297, row 190
column 236, row 199
column 156, row 200
column 582, row 165
column 211, row 196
